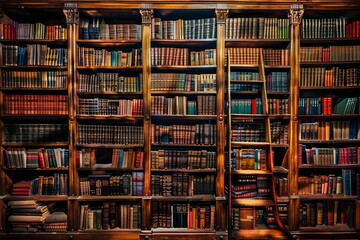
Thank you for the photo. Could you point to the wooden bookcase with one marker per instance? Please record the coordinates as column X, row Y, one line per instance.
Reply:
column 90, row 110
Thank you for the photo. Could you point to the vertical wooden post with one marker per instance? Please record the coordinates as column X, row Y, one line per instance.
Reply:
column 220, row 219
column 295, row 15
column 146, row 15
column 72, row 19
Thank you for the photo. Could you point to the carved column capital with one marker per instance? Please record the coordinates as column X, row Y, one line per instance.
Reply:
column 71, row 12
column 146, row 15
column 296, row 13
column 221, row 15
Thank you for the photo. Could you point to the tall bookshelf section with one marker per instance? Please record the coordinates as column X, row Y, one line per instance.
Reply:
column 257, row 98
column 109, row 136
column 183, row 122
column 328, row 162
column 35, row 100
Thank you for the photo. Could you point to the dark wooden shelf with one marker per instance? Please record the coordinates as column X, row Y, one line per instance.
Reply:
column 179, row 93
column 34, row 90
column 322, row 228
column 256, row 42
column 281, row 94
column 183, row 117
column 108, row 43
column 120, row 94
column 186, row 68
column 209, row 170
column 49, row 145
column 109, row 69
column 195, row 198
column 182, row 145
column 252, row 202
column 236, row 117
column 108, row 117
column 11, row 117
column 33, row 68
column 50, row 198
column 307, row 197
column 267, row 67
column 112, row 169
column 280, row 116
column 337, row 166
column 330, row 116
column 326, row 64
column 333, row 88
column 245, row 66
column 108, row 198
column 327, row 41
column 52, row 42
column 211, row 42
column 280, row 169
column 330, row 142
column 108, row 146
column 259, row 234
column 183, row 231
column 251, row 172
column 57, row 169
column 276, row 145
column 250, row 144
column 282, row 199
column 250, row 82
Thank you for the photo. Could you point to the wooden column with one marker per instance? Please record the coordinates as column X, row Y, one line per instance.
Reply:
column 72, row 19
column 146, row 15
column 295, row 15
column 220, row 218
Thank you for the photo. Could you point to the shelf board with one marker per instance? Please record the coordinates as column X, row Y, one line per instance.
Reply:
column 209, row 170
column 37, row 169
column 109, row 146
column 236, row 117
column 181, row 67
column 280, row 169
column 195, row 198
column 322, row 228
column 256, row 42
column 280, row 116
column 337, row 166
column 182, row 145
column 182, row 231
column 108, row 43
column 109, row 68
column 183, row 117
column 34, row 116
column 316, row 142
column 40, row 145
column 326, row 197
column 54, row 198
column 245, row 66
column 259, row 234
column 34, row 68
column 277, row 93
column 106, row 231
column 34, row 89
column 252, row 202
column 172, row 93
column 120, row 94
column 39, row 41
column 282, row 199
column 250, row 82
column 108, row 198
column 249, row 144
column 275, row 145
column 323, row 88
column 251, row 172
column 324, row 41
column 184, row 42
column 330, row 64
column 330, row 116
column 276, row 67
column 108, row 117
column 112, row 169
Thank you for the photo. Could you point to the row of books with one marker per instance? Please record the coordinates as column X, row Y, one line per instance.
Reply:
column 277, row 82
column 251, row 186
column 182, row 184
column 98, row 29
column 183, row 82
column 324, row 28
column 128, row 184
column 283, row 213
column 251, row 56
column 30, row 216
column 246, row 106
column 169, row 56
column 328, row 213
column 353, row 29
column 243, row 159
column 328, row 156
column 182, row 159
column 243, row 87
column 122, row 107
column 278, row 106
column 279, row 132
column 32, row 54
column 34, row 79
column 325, row 106
column 332, row 130
column 347, row 53
column 336, row 76
column 347, row 184
column 42, row 185
column 16, row 30
column 248, row 218
column 248, row 132
column 204, row 28
column 108, row 82
column 198, row 134
column 243, row 76
column 182, row 215
column 281, row 186
column 257, row 28
column 110, row 134
column 35, row 104
column 36, row 133
column 36, row 157
column 183, row 105
column 88, row 56
column 110, row 215
column 109, row 158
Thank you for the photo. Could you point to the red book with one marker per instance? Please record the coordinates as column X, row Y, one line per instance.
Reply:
column 357, row 34
column 349, row 30
column 41, row 159
column 330, row 213
column 253, row 106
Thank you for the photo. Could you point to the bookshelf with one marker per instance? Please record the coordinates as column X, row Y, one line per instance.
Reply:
column 140, row 80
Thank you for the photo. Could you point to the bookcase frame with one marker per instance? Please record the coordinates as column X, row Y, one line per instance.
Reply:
column 146, row 8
